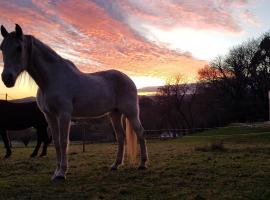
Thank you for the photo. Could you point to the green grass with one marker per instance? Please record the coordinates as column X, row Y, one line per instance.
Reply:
column 176, row 170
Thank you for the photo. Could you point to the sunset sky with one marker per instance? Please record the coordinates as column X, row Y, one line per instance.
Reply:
column 150, row 40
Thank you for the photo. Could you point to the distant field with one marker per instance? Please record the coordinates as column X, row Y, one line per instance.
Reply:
column 184, row 168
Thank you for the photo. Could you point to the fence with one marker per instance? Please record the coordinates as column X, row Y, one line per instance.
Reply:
column 83, row 133
column 174, row 133
column 5, row 96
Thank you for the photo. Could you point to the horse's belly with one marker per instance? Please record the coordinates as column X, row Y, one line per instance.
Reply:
column 93, row 100
column 15, row 124
column 86, row 110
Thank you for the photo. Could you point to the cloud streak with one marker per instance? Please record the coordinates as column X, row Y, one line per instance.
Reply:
column 103, row 34
column 167, row 14
column 139, row 37
column 96, row 37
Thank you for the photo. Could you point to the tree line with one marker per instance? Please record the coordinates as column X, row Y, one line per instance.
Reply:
column 232, row 88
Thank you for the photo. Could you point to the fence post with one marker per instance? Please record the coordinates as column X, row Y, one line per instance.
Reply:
column 84, row 127
column 269, row 105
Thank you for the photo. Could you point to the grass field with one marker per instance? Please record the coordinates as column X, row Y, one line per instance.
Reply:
column 184, row 168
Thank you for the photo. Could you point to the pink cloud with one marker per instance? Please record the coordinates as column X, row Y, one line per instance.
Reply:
column 250, row 18
column 209, row 14
column 218, row 15
column 84, row 32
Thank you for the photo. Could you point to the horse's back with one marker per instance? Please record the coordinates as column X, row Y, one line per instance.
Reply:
column 118, row 80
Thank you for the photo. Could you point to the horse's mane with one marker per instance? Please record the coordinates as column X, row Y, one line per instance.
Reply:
column 24, row 77
column 49, row 50
column 40, row 43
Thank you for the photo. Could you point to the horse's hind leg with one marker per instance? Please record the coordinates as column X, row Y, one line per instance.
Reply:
column 119, row 132
column 137, row 126
column 39, row 141
column 6, row 143
column 45, row 139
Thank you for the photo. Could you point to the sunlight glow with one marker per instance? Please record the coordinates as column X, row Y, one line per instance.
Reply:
column 146, row 81
column 202, row 44
column 24, row 87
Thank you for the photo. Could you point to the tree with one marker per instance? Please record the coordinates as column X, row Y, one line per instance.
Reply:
column 176, row 99
column 243, row 75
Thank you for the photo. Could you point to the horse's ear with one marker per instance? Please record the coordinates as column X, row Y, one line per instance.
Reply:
column 18, row 30
column 4, row 31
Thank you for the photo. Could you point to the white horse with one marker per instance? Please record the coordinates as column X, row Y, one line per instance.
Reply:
column 65, row 92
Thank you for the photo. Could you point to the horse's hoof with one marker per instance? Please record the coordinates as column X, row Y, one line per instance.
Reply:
column 7, row 156
column 33, row 155
column 42, row 155
column 59, row 179
column 113, row 168
column 141, row 167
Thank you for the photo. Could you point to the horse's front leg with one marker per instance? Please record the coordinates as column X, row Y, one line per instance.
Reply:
column 54, row 128
column 64, row 126
column 6, row 143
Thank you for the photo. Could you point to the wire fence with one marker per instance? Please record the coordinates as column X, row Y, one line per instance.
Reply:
column 176, row 133
column 84, row 133
column 6, row 96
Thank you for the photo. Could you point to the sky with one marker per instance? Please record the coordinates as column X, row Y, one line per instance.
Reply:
column 150, row 40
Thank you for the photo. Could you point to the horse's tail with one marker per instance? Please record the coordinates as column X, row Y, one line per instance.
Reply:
column 131, row 143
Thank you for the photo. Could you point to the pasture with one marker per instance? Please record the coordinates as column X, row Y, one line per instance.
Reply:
column 186, row 168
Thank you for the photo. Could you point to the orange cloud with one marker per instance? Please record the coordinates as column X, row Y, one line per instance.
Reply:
column 114, row 44
column 86, row 33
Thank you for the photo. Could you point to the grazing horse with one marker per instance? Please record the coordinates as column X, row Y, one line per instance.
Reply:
column 65, row 92
column 18, row 116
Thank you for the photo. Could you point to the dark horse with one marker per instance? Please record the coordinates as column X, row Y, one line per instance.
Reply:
column 18, row 116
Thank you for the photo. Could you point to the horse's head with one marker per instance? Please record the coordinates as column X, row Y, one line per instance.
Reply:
column 14, row 51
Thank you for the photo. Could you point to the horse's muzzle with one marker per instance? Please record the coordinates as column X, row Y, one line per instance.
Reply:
column 8, row 79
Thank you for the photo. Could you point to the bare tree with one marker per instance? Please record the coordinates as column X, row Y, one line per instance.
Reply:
column 176, row 99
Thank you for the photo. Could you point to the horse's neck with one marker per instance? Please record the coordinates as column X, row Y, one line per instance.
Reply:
column 45, row 64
